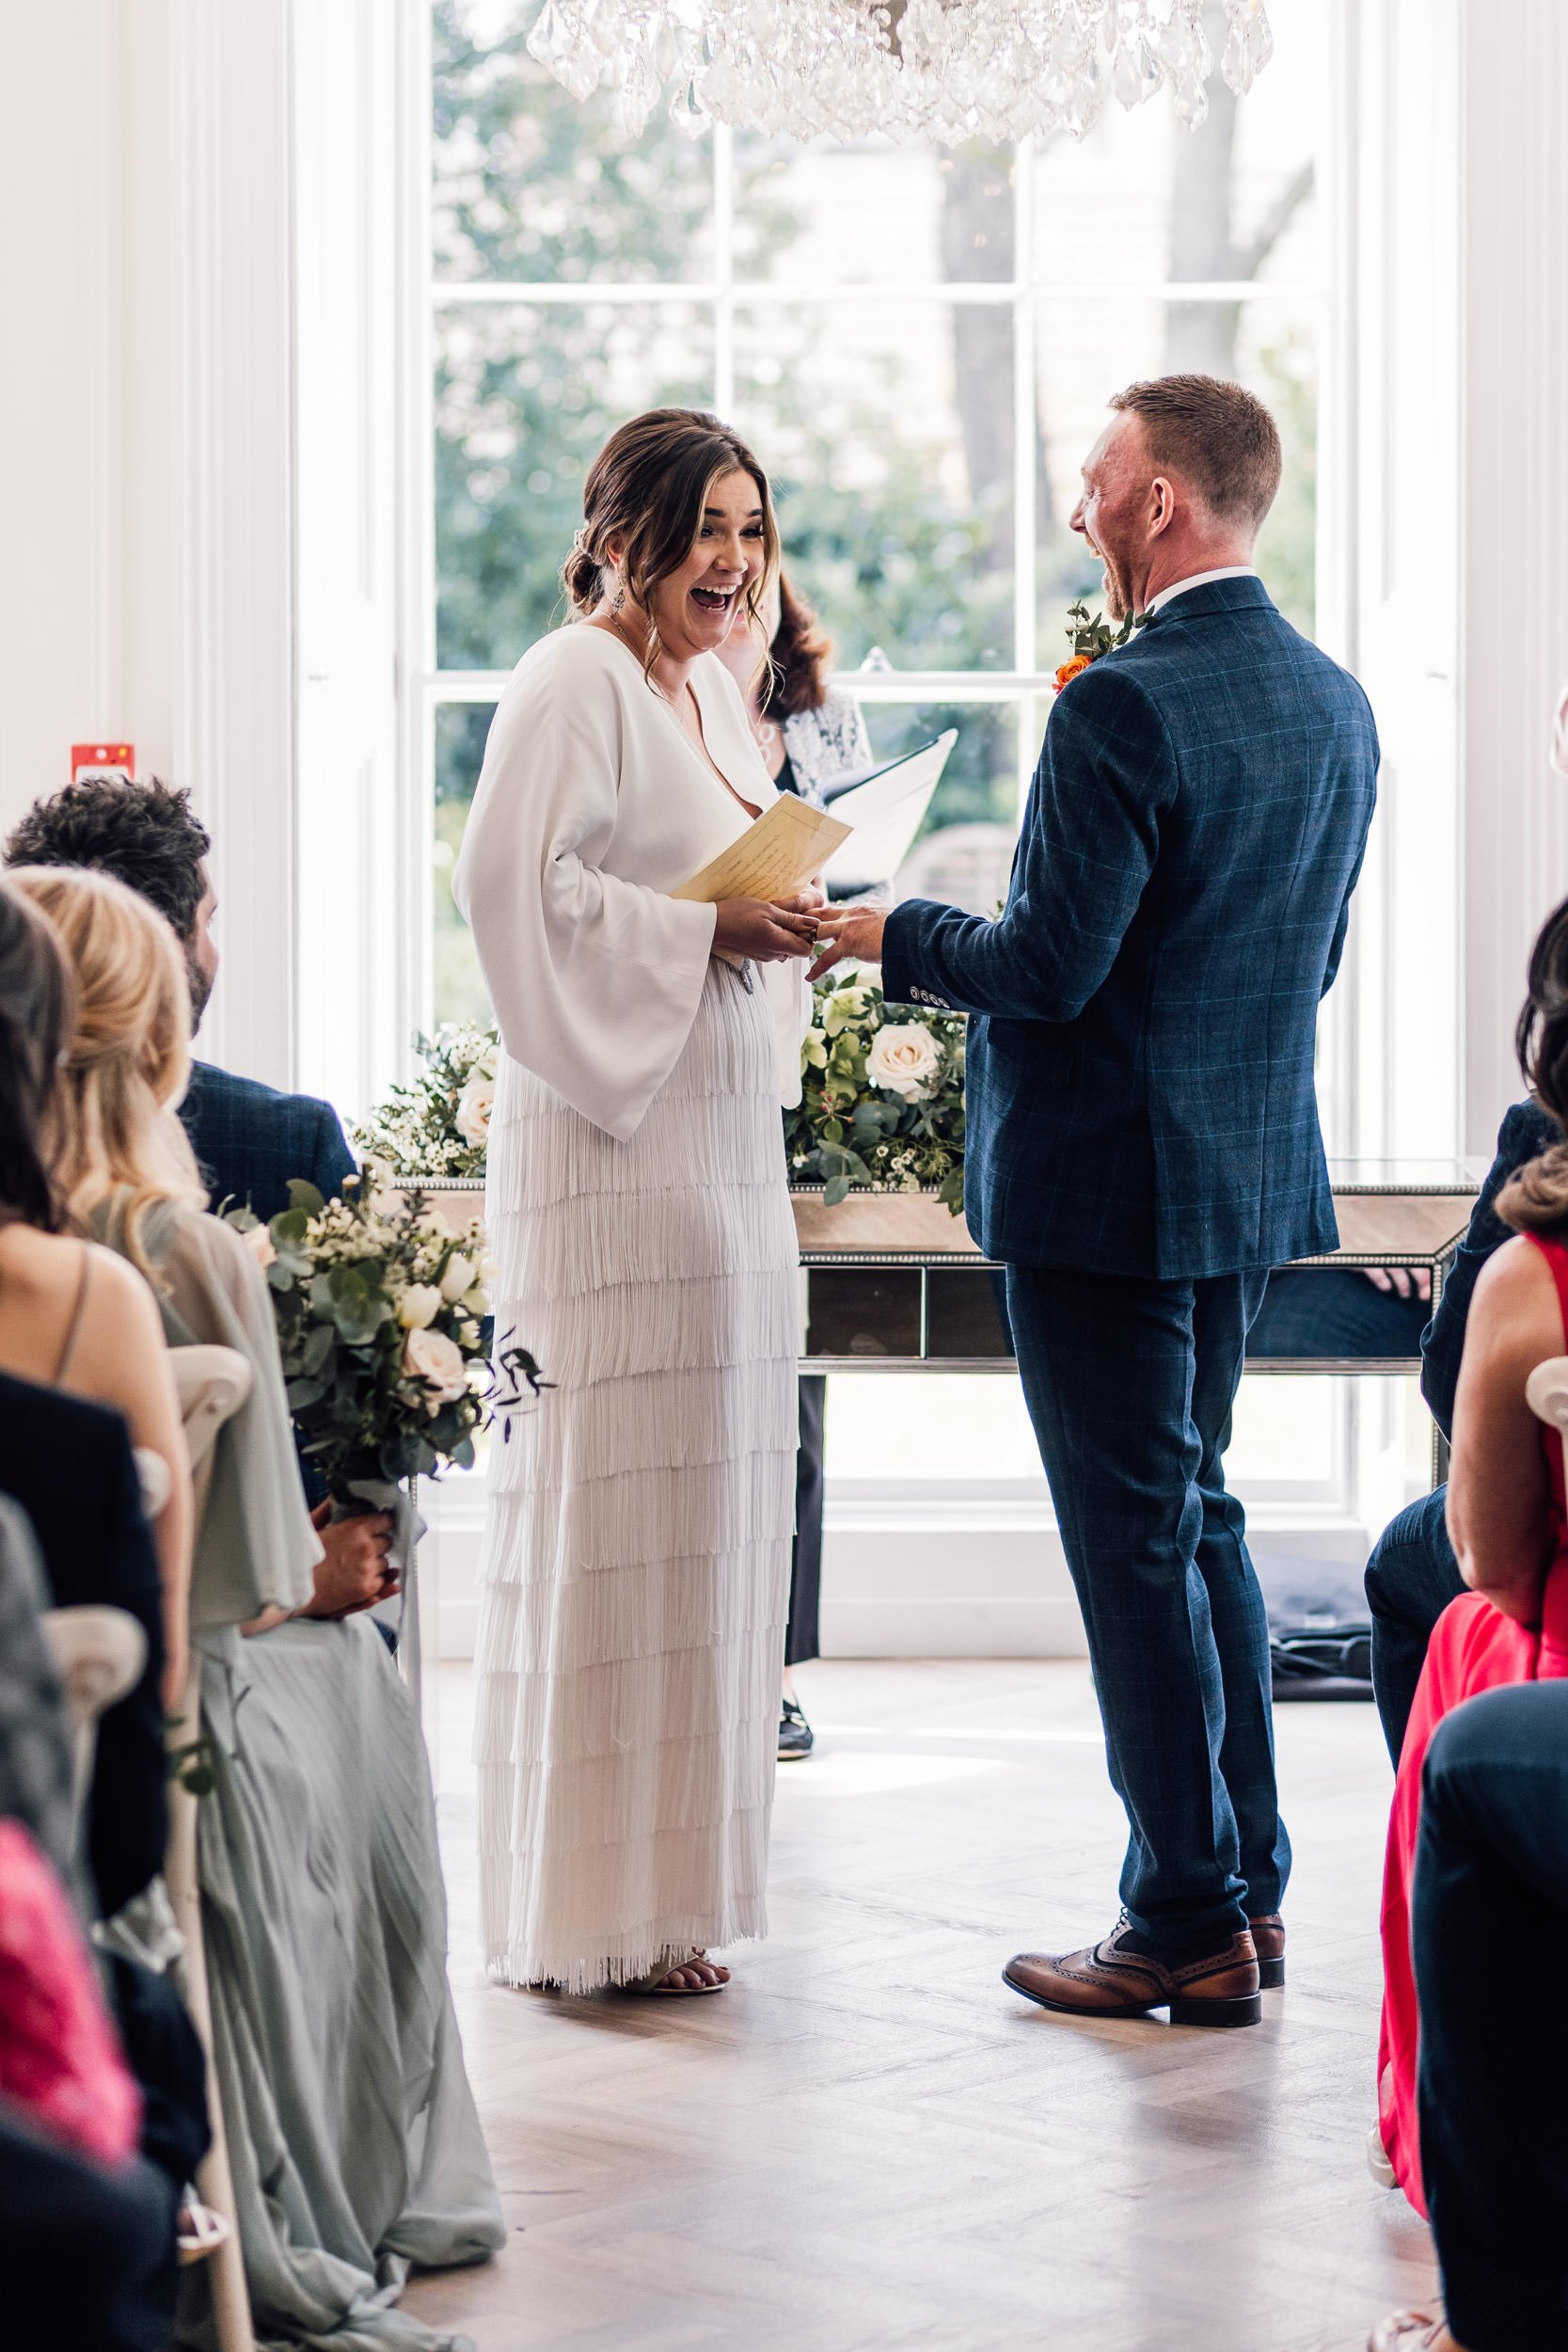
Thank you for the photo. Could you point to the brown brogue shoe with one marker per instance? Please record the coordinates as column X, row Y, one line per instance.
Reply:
column 1268, row 1935
column 1109, row 1980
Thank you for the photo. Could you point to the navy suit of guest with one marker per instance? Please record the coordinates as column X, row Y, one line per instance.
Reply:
column 250, row 1141
column 1413, row 1575
column 1143, row 1145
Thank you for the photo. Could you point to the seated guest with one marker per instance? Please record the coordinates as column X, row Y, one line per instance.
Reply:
column 353, row 2141
column 1507, row 1510
column 83, row 1374
column 248, row 1139
column 1413, row 1575
column 1492, row 1879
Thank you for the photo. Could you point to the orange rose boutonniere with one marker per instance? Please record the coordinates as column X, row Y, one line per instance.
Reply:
column 1089, row 638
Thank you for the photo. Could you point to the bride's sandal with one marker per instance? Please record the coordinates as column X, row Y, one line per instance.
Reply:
column 656, row 1982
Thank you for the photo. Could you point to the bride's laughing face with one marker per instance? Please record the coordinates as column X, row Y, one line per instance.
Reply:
column 695, row 606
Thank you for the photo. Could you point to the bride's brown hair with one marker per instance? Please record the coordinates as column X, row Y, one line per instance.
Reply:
column 646, row 490
column 1536, row 1199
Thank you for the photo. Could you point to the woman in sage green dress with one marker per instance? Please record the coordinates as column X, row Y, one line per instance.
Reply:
column 352, row 2137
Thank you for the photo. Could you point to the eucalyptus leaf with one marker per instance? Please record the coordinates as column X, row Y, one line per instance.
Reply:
column 304, row 1196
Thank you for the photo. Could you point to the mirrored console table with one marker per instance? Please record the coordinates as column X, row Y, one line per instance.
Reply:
column 893, row 1283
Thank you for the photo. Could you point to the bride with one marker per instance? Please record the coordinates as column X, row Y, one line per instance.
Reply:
column 636, row 1554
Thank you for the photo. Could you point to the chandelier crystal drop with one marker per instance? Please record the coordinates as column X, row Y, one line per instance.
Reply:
column 945, row 70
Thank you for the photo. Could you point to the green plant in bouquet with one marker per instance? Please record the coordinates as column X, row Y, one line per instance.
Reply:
column 440, row 1124
column 881, row 1101
column 381, row 1311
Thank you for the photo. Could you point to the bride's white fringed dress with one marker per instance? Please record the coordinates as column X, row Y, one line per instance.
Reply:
column 636, row 1573
column 636, row 1567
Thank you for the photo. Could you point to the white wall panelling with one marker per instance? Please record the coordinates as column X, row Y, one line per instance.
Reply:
column 355, row 1006
column 146, row 486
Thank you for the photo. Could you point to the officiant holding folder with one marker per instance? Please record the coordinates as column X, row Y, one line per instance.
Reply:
column 636, row 1547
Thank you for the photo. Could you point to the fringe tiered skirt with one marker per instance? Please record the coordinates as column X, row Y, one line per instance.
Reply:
column 636, row 1571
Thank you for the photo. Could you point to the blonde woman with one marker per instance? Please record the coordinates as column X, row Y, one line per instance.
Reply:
column 637, row 1556
column 354, row 2144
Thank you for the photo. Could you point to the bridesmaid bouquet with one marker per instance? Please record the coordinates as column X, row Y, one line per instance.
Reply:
column 881, row 1102
column 382, row 1322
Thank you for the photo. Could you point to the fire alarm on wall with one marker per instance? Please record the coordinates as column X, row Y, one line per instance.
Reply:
column 115, row 762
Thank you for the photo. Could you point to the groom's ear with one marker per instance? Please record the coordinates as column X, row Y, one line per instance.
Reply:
column 1161, row 504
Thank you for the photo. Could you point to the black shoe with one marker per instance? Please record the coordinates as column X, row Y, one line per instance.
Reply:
column 796, row 1736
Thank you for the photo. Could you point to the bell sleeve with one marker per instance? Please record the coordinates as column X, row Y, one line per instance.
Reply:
column 595, row 979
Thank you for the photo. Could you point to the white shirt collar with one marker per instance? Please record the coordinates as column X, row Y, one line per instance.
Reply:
column 1199, row 580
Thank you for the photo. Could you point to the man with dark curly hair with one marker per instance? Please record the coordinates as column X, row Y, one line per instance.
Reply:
column 249, row 1139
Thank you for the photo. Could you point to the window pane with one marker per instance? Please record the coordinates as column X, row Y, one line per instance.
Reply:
column 524, row 398
column 888, row 431
column 964, row 849
column 528, row 184
column 1086, row 351
column 827, row 214
column 460, row 732
column 1142, row 199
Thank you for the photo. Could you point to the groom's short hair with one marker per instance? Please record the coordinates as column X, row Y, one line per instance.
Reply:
column 1217, row 436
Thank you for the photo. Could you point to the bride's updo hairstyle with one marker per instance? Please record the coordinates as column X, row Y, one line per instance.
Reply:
column 38, row 1006
column 646, row 490
column 1536, row 1200
column 128, row 1056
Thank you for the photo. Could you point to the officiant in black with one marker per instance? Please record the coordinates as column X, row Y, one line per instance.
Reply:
column 812, row 735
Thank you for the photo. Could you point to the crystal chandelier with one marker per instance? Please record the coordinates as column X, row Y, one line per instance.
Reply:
column 947, row 69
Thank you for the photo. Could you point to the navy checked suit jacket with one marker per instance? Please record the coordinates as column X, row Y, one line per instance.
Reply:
column 249, row 1140
column 1140, row 1075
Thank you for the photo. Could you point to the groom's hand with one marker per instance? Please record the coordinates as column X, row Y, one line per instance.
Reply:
column 852, row 934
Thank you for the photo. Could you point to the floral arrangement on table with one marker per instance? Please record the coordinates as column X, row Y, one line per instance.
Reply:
column 881, row 1102
column 1089, row 638
column 382, row 1322
column 440, row 1124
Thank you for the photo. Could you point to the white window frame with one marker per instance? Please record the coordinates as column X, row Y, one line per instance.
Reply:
column 1026, row 687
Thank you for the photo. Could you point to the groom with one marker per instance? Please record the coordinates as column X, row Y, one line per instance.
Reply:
column 1144, row 1146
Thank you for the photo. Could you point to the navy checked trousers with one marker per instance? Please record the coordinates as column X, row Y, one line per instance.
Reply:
column 1129, row 1383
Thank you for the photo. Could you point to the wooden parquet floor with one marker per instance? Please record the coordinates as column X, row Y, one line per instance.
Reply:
column 867, row 2142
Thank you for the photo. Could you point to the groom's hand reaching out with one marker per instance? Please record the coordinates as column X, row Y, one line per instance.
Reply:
column 850, row 934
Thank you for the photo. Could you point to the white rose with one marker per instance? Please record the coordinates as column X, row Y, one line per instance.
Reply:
column 259, row 1242
column 420, row 1305
column 458, row 1278
column 437, row 1363
column 474, row 1106
column 903, row 1059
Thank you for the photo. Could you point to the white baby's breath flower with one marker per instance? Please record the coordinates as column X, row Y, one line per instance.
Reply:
column 458, row 1278
column 437, row 1364
column 903, row 1060
column 419, row 1306
column 474, row 1106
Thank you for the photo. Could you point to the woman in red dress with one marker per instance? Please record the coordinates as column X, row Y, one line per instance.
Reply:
column 1507, row 1512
